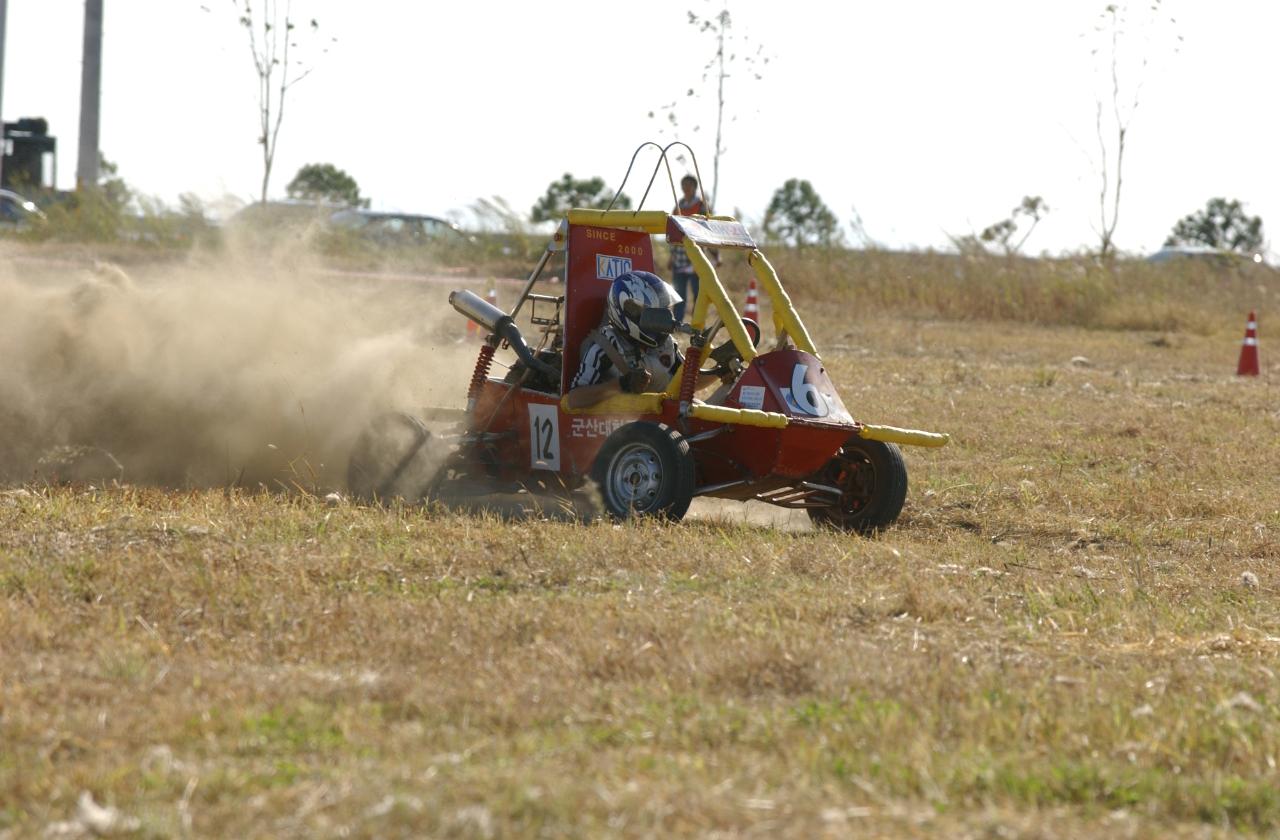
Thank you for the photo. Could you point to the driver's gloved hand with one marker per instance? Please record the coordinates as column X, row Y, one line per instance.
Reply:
column 634, row 382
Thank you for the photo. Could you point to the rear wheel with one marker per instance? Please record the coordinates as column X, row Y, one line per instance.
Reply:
column 872, row 479
column 391, row 460
column 645, row 469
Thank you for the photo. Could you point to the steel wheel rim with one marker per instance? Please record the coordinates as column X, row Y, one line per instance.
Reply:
column 855, row 475
column 635, row 478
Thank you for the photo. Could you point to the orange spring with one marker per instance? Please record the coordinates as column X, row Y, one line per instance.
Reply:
column 689, row 382
column 483, row 361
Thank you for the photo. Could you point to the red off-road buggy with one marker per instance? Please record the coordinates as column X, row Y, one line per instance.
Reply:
column 778, row 432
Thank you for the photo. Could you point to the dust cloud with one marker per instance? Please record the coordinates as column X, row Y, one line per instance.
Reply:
column 214, row 372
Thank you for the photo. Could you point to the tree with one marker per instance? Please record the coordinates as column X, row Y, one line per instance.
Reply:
column 272, row 36
column 797, row 216
column 1115, row 107
column 325, row 182
column 571, row 192
column 1002, row 232
column 1221, row 224
column 730, row 50
column 117, row 193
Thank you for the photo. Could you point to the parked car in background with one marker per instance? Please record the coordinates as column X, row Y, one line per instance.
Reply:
column 17, row 213
column 1202, row 253
column 398, row 228
column 266, row 216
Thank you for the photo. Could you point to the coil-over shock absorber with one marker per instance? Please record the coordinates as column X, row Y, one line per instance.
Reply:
column 689, row 379
column 483, row 362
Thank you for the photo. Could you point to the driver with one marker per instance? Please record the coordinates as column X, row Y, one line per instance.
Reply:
column 619, row 357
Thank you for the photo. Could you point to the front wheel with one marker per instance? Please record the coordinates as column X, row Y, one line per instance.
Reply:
column 645, row 468
column 872, row 480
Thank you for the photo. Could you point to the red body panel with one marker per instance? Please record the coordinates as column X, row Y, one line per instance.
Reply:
column 596, row 256
column 528, row 433
column 788, row 382
column 541, row 436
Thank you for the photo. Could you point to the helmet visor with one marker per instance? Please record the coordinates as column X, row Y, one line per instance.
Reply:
column 654, row 323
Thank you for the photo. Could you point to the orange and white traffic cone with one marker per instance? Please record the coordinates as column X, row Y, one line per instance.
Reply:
column 752, row 309
column 1249, row 349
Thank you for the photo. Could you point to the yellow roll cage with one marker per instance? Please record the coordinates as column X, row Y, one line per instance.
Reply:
column 786, row 321
column 787, row 325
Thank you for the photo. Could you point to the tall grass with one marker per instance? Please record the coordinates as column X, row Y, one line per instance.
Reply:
column 1192, row 296
column 92, row 217
column 1128, row 294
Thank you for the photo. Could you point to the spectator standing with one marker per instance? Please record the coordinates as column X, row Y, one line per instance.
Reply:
column 683, row 277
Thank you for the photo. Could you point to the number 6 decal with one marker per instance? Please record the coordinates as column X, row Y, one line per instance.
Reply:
column 544, row 437
column 803, row 395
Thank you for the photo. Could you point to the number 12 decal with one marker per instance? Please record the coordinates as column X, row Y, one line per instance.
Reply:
column 544, row 437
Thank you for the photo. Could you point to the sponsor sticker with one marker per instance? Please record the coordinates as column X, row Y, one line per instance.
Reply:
column 609, row 267
column 714, row 232
column 591, row 427
column 751, row 396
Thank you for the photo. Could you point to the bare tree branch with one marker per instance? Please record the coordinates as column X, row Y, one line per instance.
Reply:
column 720, row 77
column 722, row 64
column 1117, row 22
column 1103, row 232
column 270, row 42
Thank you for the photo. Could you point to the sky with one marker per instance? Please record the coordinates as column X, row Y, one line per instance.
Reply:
column 926, row 119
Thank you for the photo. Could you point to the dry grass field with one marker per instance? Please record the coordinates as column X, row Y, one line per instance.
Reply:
column 1074, row 628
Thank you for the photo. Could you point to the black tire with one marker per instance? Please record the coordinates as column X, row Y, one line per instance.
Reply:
column 872, row 478
column 645, row 469
column 391, row 460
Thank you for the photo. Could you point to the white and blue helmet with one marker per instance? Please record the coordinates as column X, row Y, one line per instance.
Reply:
column 645, row 288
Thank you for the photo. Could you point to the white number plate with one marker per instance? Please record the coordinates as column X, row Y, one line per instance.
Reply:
column 544, row 437
column 803, row 397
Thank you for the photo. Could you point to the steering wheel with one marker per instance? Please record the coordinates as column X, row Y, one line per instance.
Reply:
column 726, row 354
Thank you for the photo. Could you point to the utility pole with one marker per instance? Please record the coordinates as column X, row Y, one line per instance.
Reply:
column 90, row 95
column 4, row 13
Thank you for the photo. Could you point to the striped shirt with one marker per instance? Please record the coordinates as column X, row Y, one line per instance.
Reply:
column 679, row 259
column 596, row 366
